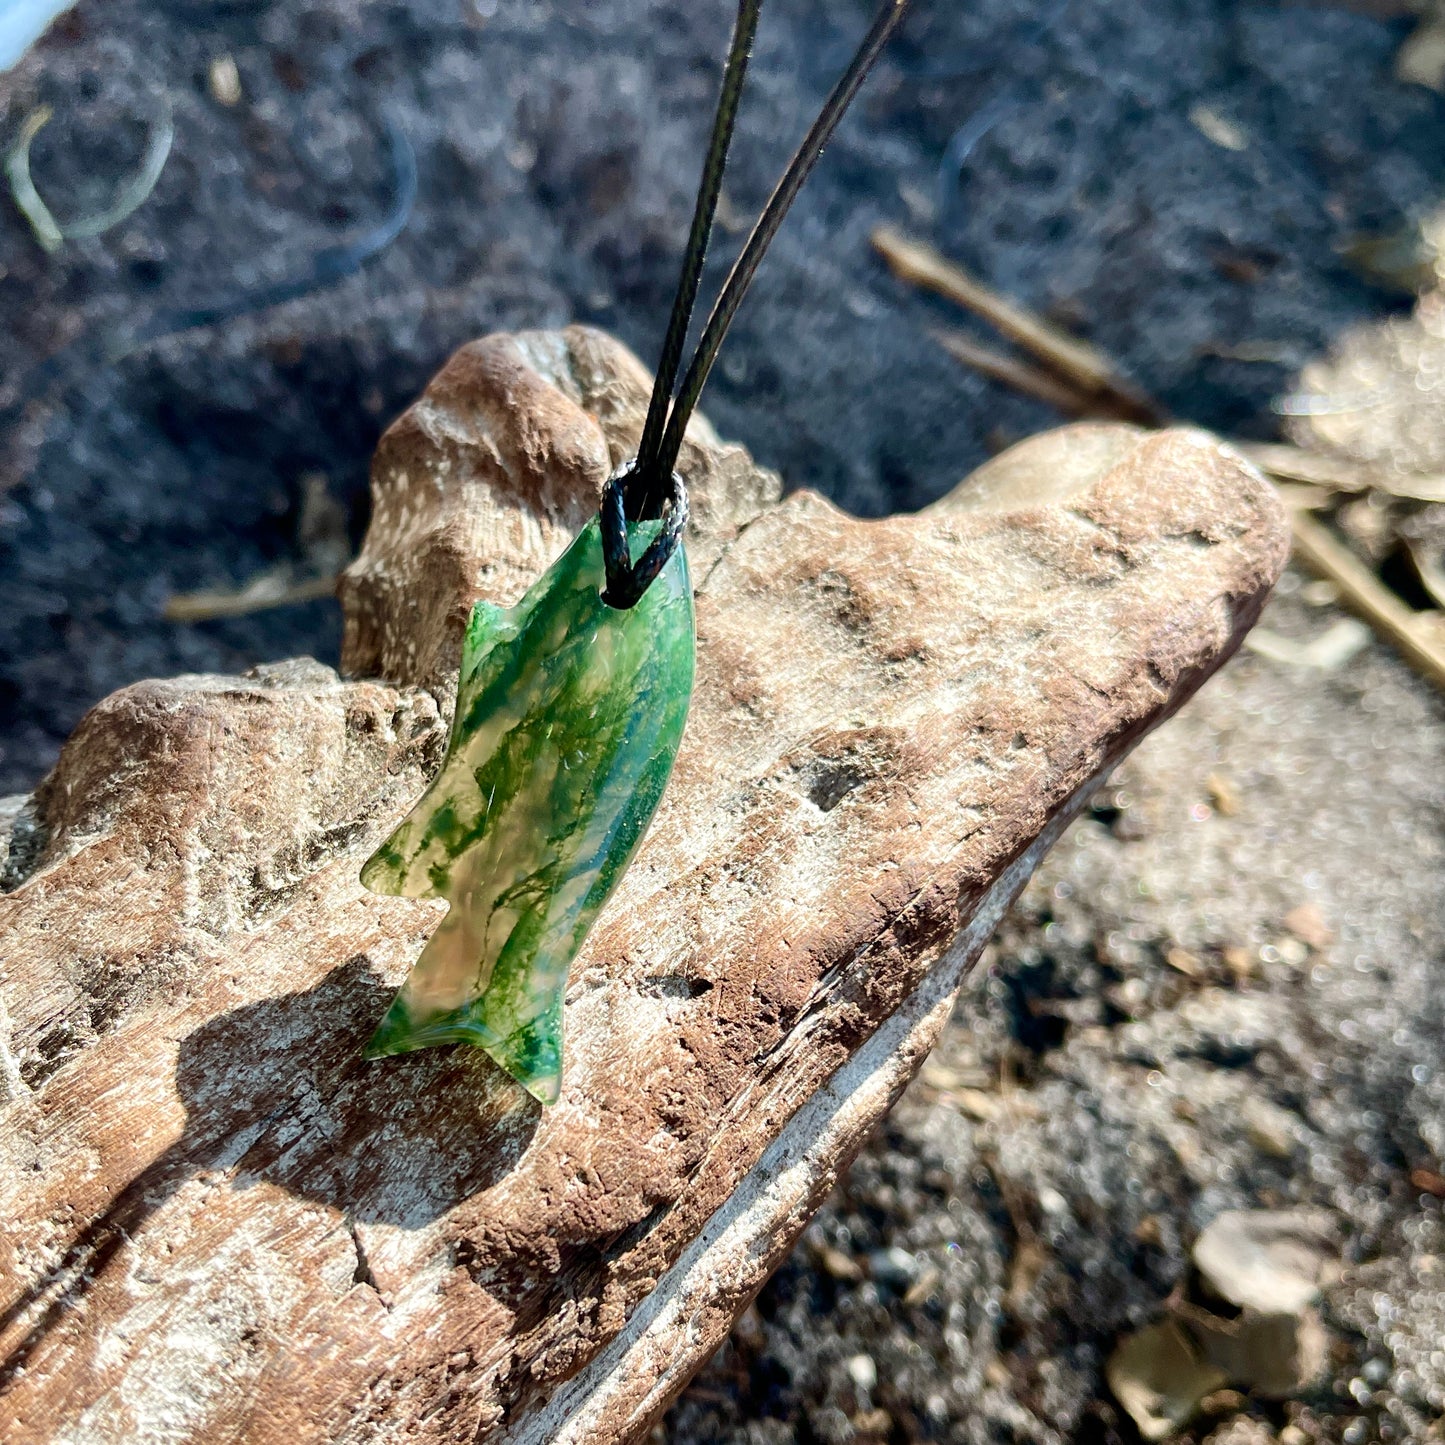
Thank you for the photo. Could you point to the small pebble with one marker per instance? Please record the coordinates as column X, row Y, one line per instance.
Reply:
column 224, row 80
column 893, row 1266
column 839, row 1265
column 1308, row 925
column 1320, row 593
column 863, row 1372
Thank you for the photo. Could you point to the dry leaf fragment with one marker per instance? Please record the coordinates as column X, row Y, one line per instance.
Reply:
column 1308, row 925
column 1265, row 1260
column 1223, row 794
column 1272, row 1355
column 1330, row 650
column 1160, row 1380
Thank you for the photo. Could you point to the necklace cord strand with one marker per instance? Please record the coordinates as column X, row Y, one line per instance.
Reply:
column 647, row 482
column 736, row 286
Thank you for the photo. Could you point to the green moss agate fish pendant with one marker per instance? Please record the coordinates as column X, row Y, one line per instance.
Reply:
column 571, row 705
column 569, row 715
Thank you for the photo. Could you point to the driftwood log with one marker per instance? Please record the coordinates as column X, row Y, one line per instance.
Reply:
column 221, row 1225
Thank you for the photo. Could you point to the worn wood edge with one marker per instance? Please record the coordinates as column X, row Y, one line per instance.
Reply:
column 625, row 1388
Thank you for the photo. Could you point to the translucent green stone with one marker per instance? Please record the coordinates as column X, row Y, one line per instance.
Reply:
column 569, row 714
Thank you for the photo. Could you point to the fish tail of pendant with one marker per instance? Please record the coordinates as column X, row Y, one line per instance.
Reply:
column 532, row 1054
column 517, row 1021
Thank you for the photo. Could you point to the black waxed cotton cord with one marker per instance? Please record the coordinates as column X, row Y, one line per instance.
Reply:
column 649, row 486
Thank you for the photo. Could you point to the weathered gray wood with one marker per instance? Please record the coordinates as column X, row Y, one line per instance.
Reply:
column 222, row 1225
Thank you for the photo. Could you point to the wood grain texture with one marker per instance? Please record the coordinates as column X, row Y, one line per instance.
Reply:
column 222, row 1225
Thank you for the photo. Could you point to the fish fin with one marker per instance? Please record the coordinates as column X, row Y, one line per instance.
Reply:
column 486, row 627
column 399, row 867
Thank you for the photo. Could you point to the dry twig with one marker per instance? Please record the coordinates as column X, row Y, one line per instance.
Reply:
column 1012, row 371
column 1080, row 380
column 1338, row 474
column 1365, row 594
column 1080, row 366
column 270, row 589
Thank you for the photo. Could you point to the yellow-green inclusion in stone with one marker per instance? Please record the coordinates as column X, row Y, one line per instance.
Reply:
column 569, row 714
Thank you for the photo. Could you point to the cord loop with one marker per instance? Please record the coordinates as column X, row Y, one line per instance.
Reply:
column 626, row 580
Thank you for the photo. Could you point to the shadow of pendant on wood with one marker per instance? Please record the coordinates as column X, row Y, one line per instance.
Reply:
column 569, row 715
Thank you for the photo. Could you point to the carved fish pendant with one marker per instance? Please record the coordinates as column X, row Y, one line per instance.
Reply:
column 569, row 710
column 569, row 715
